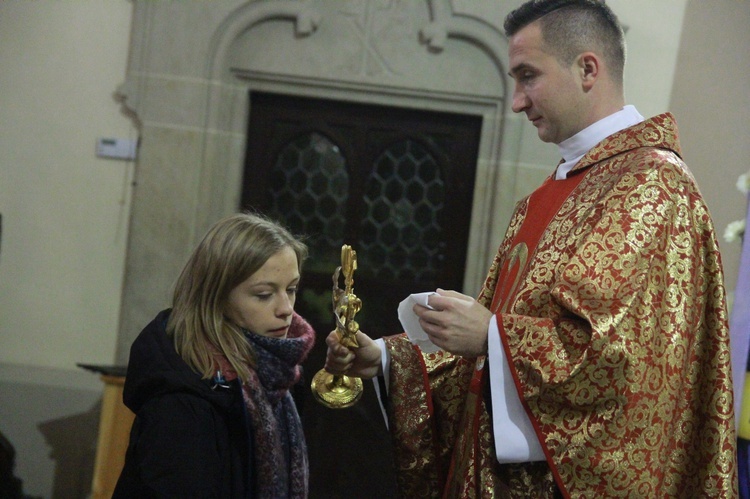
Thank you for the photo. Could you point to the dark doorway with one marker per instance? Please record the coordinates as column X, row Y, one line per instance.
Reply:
column 397, row 185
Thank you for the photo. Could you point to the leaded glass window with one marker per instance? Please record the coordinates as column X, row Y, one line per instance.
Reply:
column 309, row 187
column 403, row 200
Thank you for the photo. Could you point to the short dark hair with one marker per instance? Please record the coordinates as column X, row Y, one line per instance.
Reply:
column 570, row 27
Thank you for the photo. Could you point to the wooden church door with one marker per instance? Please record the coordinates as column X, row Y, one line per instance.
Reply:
column 397, row 185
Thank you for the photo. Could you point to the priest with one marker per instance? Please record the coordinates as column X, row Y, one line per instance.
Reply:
column 595, row 361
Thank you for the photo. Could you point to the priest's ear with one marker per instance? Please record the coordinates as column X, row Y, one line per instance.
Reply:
column 589, row 67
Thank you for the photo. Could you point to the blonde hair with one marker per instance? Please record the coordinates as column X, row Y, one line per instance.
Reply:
column 231, row 251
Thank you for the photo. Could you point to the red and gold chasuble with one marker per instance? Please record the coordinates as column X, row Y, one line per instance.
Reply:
column 609, row 297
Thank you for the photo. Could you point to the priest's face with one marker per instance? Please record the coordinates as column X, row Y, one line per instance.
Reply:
column 548, row 91
column 264, row 302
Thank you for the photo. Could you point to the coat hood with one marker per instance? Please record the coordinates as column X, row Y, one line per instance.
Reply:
column 155, row 369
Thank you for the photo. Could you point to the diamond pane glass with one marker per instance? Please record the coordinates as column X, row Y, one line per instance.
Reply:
column 403, row 200
column 309, row 186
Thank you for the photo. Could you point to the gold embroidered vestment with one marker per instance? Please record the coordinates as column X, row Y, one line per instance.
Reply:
column 615, row 325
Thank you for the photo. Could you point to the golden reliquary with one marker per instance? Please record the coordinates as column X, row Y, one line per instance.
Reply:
column 337, row 391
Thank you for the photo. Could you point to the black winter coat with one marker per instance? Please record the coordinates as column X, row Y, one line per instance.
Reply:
column 189, row 439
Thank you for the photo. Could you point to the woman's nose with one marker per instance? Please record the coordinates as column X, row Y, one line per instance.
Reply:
column 286, row 305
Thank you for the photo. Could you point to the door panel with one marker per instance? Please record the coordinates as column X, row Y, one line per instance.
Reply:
column 396, row 185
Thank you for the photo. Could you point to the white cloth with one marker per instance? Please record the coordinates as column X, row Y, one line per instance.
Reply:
column 576, row 147
column 410, row 321
column 515, row 438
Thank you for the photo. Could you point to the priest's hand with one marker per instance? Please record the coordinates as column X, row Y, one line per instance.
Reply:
column 362, row 362
column 457, row 324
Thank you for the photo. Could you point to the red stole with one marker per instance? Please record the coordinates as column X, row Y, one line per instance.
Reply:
column 543, row 205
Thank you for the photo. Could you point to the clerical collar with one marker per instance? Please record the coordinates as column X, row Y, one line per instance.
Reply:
column 575, row 147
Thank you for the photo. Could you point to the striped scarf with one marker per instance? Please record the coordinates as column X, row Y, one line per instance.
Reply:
column 280, row 453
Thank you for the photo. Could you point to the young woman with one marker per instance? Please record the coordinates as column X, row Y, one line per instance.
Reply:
column 209, row 379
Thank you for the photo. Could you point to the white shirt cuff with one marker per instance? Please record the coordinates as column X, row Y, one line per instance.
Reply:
column 385, row 360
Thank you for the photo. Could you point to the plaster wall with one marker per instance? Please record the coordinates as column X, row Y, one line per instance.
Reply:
column 65, row 216
column 710, row 96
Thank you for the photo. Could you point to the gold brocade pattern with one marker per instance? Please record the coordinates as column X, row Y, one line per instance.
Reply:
column 618, row 337
column 427, row 427
column 424, row 419
column 619, row 331
column 490, row 283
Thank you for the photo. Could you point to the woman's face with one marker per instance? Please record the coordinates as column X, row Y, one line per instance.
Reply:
column 263, row 303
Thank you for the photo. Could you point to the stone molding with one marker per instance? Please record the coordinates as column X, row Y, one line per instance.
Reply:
column 188, row 84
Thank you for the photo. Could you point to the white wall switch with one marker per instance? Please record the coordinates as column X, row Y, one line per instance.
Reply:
column 116, row 148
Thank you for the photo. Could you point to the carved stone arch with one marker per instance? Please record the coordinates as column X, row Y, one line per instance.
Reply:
column 189, row 89
column 305, row 17
column 214, row 200
column 446, row 24
column 441, row 27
